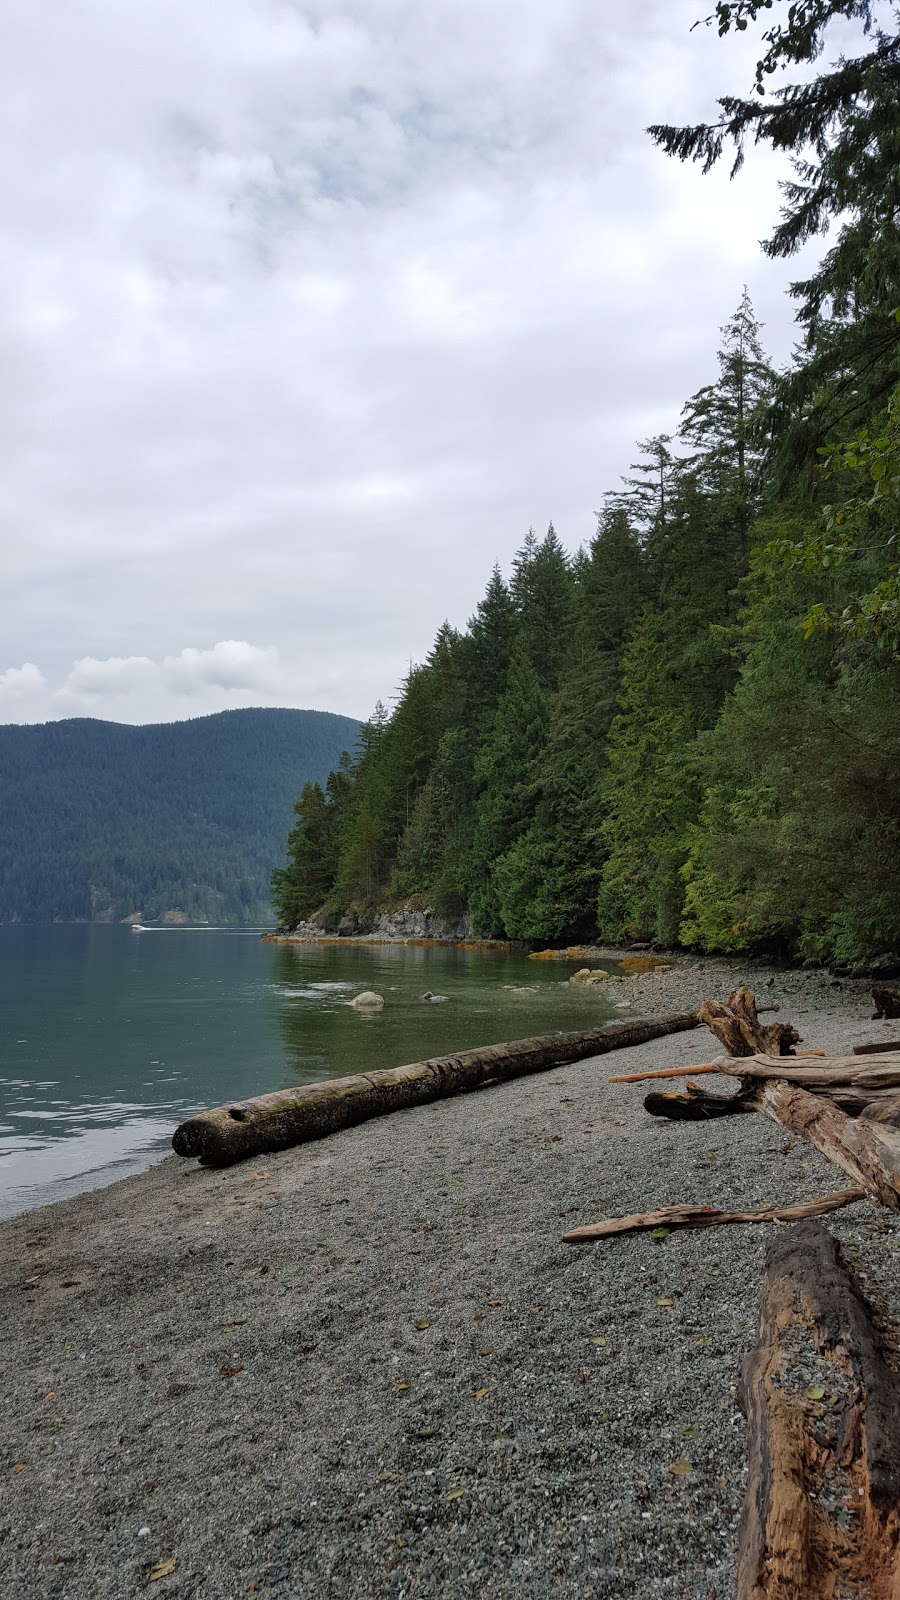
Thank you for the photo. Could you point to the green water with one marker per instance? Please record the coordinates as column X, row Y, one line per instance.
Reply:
column 108, row 1038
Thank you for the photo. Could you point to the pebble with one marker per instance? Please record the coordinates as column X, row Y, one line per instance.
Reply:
column 257, row 1376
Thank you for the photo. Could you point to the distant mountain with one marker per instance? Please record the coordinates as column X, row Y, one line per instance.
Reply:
column 177, row 820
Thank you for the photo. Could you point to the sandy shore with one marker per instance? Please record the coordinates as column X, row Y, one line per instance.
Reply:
column 370, row 1368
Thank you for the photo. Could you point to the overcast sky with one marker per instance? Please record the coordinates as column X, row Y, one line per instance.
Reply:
column 309, row 310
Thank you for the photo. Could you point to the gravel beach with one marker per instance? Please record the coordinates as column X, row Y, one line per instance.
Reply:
column 369, row 1368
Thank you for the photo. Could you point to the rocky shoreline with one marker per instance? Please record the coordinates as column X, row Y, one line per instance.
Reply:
column 368, row 1369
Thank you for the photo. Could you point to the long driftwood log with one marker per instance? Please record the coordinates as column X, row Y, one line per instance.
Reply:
column 822, row 1509
column 674, row 1217
column 292, row 1116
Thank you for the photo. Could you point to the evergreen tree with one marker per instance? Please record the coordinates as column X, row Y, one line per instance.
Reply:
column 542, row 593
column 648, row 797
column 842, row 130
column 300, row 888
column 507, row 770
column 724, row 422
column 645, row 498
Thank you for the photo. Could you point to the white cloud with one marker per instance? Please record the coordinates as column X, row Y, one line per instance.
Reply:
column 91, row 679
column 308, row 312
column 17, row 683
column 232, row 664
column 232, row 672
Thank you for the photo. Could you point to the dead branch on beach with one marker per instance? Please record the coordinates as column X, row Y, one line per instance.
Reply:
column 674, row 1217
column 290, row 1117
column 848, row 1107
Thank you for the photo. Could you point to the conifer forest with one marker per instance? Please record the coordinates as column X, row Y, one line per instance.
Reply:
column 688, row 732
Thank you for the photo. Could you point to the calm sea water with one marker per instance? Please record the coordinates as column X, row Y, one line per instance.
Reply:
column 108, row 1038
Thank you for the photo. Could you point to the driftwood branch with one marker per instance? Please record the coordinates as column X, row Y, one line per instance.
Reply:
column 701, row 1067
column 858, row 1084
column 292, row 1116
column 866, row 1147
column 707, row 1217
column 822, row 1508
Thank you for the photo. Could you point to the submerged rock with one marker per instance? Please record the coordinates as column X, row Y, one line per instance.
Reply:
column 367, row 1001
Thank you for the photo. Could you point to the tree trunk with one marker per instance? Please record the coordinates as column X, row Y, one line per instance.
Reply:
column 694, row 1105
column 292, row 1116
column 821, row 1513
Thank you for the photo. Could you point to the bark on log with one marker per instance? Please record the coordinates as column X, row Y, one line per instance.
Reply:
column 736, row 1025
column 292, row 1116
column 708, row 1217
column 821, row 1514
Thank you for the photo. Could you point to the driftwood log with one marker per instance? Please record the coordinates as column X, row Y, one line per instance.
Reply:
column 861, row 1084
column 822, row 1509
column 292, row 1116
column 849, row 1108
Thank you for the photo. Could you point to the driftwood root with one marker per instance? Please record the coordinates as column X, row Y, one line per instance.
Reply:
column 735, row 1023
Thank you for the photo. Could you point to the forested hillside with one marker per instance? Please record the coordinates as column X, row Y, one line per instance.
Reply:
column 687, row 732
column 99, row 820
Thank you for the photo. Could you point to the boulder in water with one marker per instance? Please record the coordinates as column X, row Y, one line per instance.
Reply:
column 367, row 1001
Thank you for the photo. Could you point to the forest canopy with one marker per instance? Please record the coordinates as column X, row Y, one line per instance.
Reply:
column 686, row 732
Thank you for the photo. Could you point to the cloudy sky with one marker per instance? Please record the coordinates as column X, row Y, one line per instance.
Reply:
column 310, row 308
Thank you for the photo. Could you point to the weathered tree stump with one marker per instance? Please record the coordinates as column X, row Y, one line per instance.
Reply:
column 735, row 1023
column 887, row 1003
